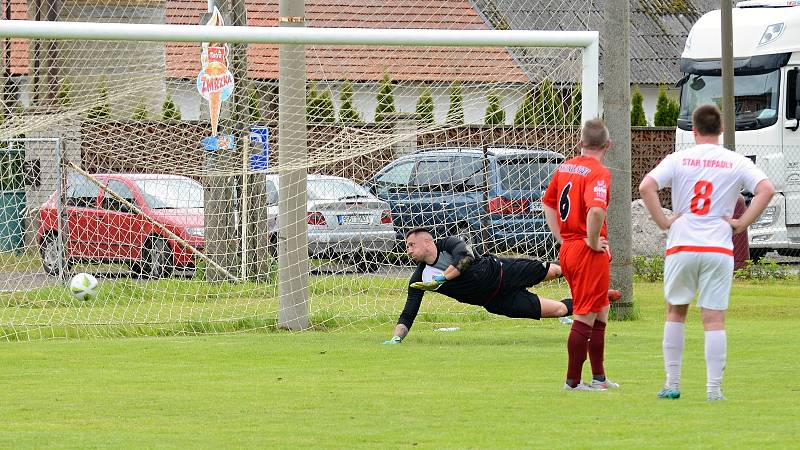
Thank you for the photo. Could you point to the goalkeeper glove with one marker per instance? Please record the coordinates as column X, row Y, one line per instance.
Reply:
column 432, row 285
column 394, row 340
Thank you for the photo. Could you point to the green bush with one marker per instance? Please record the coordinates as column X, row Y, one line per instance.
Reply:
column 525, row 114
column 763, row 270
column 102, row 110
column 169, row 110
column 347, row 112
column 648, row 268
column 575, row 106
column 327, row 114
column 385, row 100
column 548, row 105
column 495, row 114
column 64, row 95
column 425, row 107
column 667, row 110
column 455, row 115
column 638, row 119
column 254, row 106
column 140, row 111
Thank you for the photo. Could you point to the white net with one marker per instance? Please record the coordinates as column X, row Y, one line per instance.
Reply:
column 156, row 168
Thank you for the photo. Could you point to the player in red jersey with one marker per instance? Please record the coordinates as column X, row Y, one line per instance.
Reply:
column 575, row 207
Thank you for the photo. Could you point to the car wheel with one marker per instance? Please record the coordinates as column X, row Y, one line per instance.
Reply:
column 156, row 259
column 52, row 255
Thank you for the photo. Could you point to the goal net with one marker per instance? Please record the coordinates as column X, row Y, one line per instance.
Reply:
column 157, row 166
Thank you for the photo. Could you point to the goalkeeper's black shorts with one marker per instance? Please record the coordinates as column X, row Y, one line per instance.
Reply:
column 513, row 299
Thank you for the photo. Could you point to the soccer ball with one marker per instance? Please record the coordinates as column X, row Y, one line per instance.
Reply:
column 83, row 286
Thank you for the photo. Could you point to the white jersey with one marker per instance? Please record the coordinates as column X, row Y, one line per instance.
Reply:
column 706, row 181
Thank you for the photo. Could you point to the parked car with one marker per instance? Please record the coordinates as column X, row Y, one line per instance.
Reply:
column 98, row 228
column 344, row 219
column 492, row 199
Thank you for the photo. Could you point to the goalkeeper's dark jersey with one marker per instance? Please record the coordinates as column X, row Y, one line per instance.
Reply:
column 474, row 286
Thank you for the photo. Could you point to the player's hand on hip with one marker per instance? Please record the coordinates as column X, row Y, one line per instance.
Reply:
column 393, row 341
column 670, row 220
column 600, row 246
column 737, row 226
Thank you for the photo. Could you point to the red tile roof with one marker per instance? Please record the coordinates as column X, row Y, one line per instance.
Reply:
column 363, row 63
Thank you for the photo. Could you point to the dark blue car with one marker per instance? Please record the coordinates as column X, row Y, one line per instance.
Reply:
column 491, row 198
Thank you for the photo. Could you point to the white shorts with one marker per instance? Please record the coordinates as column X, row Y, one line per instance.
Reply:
column 708, row 274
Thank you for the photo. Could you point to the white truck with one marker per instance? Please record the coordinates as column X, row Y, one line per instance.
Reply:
column 766, row 51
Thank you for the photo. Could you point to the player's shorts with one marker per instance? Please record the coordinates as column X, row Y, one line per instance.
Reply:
column 513, row 299
column 708, row 274
column 518, row 304
column 587, row 273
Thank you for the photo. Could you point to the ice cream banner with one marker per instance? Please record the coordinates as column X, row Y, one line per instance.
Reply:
column 215, row 82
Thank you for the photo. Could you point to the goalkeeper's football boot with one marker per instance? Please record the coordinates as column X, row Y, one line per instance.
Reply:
column 715, row 396
column 670, row 393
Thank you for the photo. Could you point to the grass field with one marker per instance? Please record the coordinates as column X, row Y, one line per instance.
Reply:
column 492, row 384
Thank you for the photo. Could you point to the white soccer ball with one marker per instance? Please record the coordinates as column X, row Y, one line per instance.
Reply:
column 83, row 286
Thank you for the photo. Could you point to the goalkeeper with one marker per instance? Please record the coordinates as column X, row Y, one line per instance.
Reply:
column 500, row 285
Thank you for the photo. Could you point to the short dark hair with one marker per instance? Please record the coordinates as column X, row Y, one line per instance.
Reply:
column 707, row 120
column 594, row 134
column 414, row 231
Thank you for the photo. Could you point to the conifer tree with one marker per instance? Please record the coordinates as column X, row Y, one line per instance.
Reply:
column 385, row 100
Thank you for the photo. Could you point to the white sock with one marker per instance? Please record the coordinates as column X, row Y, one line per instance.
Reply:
column 673, row 352
column 716, row 355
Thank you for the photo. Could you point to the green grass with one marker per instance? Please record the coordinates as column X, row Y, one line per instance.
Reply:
column 493, row 384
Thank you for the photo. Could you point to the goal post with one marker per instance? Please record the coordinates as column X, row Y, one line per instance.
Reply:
column 588, row 41
column 311, row 226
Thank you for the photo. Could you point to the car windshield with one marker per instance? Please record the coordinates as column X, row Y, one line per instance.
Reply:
column 526, row 174
column 756, row 96
column 171, row 193
column 335, row 189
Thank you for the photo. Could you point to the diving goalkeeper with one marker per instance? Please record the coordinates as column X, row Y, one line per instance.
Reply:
column 499, row 285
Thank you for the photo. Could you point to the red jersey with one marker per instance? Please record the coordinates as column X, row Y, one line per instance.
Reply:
column 579, row 184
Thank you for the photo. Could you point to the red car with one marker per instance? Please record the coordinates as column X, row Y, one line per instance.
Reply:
column 98, row 228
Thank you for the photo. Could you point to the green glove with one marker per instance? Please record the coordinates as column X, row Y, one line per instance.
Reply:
column 432, row 285
column 394, row 340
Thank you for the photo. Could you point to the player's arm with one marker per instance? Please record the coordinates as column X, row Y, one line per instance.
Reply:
column 648, row 191
column 550, row 214
column 764, row 192
column 462, row 256
column 410, row 310
column 594, row 223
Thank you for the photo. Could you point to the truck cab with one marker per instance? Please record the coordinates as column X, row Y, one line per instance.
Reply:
column 766, row 51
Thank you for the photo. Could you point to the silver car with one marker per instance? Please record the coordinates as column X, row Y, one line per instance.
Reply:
column 344, row 219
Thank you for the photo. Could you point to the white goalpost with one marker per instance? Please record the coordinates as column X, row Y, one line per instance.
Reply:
column 223, row 233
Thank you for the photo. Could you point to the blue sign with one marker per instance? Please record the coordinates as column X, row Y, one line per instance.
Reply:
column 219, row 142
column 259, row 139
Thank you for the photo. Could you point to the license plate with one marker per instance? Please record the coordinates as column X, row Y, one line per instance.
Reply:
column 355, row 219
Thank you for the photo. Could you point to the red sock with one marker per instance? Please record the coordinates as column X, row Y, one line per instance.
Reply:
column 596, row 346
column 577, row 345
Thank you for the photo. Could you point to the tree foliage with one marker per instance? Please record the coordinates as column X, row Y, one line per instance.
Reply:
column 638, row 118
column 455, row 114
column 425, row 107
column 525, row 114
column 101, row 110
column 575, row 106
column 385, row 100
column 140, row 111
column 667, row 109
column 495, row 114
column 254, row 105
column 347, row 112
column 169, row 110
column 548, row 109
